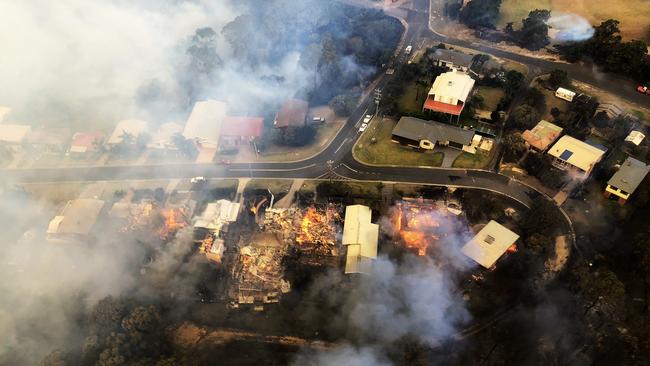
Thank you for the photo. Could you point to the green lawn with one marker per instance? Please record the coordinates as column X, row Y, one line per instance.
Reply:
column 413, row 98
column 386, row 152
column 471, row 161
column 516, row 10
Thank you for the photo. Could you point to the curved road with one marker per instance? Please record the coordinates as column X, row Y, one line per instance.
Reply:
column 336, row 160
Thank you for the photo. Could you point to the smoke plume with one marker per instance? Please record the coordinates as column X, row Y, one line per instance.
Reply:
column 570, row 27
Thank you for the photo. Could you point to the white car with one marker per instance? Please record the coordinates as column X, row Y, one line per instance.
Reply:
column 367, row 118
column 363, row 127
column 196, row 180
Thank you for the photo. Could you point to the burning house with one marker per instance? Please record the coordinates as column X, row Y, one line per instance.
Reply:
column 417, row 224
column 213, row 224
column 258, row 275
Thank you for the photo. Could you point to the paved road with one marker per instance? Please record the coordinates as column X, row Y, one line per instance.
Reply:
column 343, row 165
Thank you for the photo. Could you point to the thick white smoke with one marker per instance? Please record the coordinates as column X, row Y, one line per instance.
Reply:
column 570, row 27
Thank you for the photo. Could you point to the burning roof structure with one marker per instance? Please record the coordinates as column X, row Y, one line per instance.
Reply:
column 148, row 216
column 312, row 230
column 416, row 223
column 258, row 273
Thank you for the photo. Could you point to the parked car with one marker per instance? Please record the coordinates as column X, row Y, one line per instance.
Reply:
column 363, row 127
column 196, row 180
column 643, row 89
column 408, row 49
column 318, row 119
column 367, row 118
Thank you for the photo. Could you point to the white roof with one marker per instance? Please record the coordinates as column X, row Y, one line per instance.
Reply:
column 217, row 214
column 360, row 236
column 452, row 87
column 635, row 137
column 577, row 153
column 14, row 134
column 128, row 126
column 565, row 91
column 205, row 121
column 489, row 244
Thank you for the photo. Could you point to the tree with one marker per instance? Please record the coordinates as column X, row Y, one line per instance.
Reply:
column 481, row 13
column 344, row 104
column 524, row 117
column 542, row 218
column 295, row 136
column 55, row 358
column 535, row 99
column 513, row 146
column 514, row 81
column 203, row 51
column 534, row 31
column 558, row 78
column 185, row 146
column 106, row 316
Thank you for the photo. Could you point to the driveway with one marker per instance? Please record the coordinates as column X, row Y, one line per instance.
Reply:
column 450, row 155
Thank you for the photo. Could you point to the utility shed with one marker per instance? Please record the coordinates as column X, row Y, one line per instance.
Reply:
column 635, row 137
column 360, row 237
column 490, row 244
column 626, row 180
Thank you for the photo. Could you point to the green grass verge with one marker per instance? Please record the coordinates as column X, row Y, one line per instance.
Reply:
column 386, row 152
column 472, row 161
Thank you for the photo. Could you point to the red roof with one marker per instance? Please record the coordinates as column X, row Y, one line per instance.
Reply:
column 432, row 105
column 292, row 113
column 86, row 139
column 242, row 126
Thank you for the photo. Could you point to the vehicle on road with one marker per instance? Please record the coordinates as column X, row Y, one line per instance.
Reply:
column 643, row 89
column 408, row 49
column 367, row 118
column 196, row 180
column 318, row 119
column 363, row 127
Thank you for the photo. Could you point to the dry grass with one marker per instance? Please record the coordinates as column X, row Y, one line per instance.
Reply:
column 633, row 14
column 491, row 97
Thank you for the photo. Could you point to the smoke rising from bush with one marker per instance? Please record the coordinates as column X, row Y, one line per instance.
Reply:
column 570, row 27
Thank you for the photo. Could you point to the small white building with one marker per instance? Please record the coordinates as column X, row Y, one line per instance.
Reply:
column 132, row 127
column 360, row 236
column 490, row 244
column 565, row 94
column 635, row 137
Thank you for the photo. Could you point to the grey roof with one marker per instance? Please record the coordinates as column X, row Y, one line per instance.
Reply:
column 457, row 58
column 417, row 129
column 630, row 175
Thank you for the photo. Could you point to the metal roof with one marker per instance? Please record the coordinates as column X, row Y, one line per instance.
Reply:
column 489, row 244
column 577, row 153
column 292, row 113
column 542, row 135
column 360, row 236
column 630, row 175
column 452, row 87
column 205, row 121
column 417, row 129
column 78, row 217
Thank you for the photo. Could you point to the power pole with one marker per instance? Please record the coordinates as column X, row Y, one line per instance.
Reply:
column 377, row 100
column 330, row 164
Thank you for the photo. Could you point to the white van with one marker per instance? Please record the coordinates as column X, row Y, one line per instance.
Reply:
column 565, row 94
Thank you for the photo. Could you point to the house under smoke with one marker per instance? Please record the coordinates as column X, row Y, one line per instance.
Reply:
column 205, row 122
column 360, row 237
column 240, row 130
column 490, row 244
column 76, row 221
column 14, row 136
column 163, row 139
column 128, row 127
column 292, row 114
column 86, row 142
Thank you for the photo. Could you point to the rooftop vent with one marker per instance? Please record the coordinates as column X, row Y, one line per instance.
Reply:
column 489, row 239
